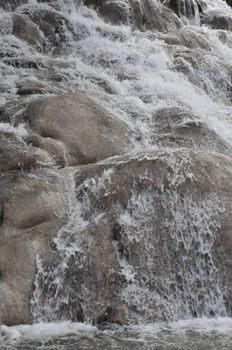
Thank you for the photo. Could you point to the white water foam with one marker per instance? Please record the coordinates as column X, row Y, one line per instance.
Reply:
column 141, row 334
column 130, row 72
column 42, row 331
column 133, row 74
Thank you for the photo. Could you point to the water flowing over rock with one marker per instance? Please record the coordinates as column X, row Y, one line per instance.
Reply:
column 27, row 31
column 115, row 160
column 11, row 4
column 141, row 248
column 32, row 210
column 73, row 129
column 188, row 8
column 144, row 15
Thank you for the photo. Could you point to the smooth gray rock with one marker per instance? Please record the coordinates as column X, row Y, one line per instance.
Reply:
column 32, row 209
column 74, row 129
column 175, row 127
column 28, row 31
column 155, row 228
column 145, row 15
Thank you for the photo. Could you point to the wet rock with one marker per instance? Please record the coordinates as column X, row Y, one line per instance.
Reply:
column 10, row 110
column 16, row 154
column 53, row 25
column 56, row 149
column 188, row 38
column 175, row 5
column 128, row 213
column 23, row 62
column 74, row 129
column 174, row 127
column 26, row 30
column 217, row 21
column 31, row 87
column 146, row 15
column 225, row 37
column 195, row 63
column 139, row 211
column 32, row 209
column 11, row 4
column 128, row 260
column 188, row 8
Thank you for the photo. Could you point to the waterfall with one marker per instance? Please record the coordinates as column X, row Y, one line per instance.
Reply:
column 161, row 225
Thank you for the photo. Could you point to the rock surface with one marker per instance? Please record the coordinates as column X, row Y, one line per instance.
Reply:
column 90, row 231
column 28, row 31
column 11, row 4
column 135, row 209
column 145, row 15
column 217, row 21
column 67, row 129
column 174, row 127
column 74, row 129
column 15, row 154
column 188, row 8
column 32, row 210
column 53, row 25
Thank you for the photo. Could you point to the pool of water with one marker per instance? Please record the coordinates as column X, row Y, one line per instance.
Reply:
column 198, row 334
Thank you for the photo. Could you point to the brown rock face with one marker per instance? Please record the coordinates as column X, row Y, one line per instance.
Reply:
column 174, row 127
column 144, row 15
column 67, row 129
column 88, row 230
column 32, row 210
column 143, row 250
column 74, row 129
column 16, row 154
column 63, row 130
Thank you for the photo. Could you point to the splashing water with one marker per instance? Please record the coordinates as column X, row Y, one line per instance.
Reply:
column 134, row 75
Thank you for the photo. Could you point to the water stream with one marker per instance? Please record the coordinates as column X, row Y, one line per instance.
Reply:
column 135, row 75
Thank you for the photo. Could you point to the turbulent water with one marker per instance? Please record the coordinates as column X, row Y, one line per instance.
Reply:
column 134, row 74
column 201, row 334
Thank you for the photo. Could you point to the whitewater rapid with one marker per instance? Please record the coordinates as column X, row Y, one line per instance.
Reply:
column 195, row 334
column 131, row 73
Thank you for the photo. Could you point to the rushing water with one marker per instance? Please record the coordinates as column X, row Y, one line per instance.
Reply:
column 135, row 75
column 199, row 334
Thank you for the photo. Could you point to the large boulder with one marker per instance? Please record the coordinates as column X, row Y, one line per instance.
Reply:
column 149, row 239
column 145, row 15
column 178, row 128
column 24, row 29
column 73, row 129
column 32, row 208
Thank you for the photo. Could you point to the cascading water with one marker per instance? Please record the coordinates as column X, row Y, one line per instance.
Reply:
column 190, row 286
column 136, row 75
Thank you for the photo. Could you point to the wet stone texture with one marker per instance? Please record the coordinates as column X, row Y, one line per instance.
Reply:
column 115, row 160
